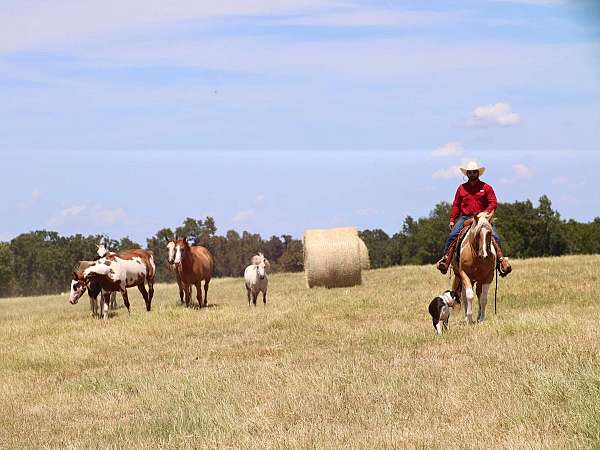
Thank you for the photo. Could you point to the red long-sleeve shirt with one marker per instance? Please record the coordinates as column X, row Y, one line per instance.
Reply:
column 470, row 200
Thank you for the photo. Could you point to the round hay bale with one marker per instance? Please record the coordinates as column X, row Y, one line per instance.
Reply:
column 332, row 257
column 365, row 262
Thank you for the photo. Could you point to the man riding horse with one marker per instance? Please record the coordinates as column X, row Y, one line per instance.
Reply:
column 471, row 198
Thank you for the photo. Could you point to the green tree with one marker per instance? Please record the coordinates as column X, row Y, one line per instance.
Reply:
column 550, row 237
column 7, row 278
column 377, row 241
column 126, row 244
column 158, row 246
column 292, row 259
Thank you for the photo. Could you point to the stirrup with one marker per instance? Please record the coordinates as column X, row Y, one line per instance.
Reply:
column 502, row 272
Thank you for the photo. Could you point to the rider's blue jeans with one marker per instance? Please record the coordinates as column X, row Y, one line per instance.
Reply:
column 458, row 226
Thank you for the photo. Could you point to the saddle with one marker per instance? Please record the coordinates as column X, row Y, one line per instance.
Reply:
column 444, row 264
column 457, row 244
column 504, row 267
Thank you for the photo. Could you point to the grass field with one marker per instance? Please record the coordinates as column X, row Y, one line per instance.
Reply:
column 357, row 368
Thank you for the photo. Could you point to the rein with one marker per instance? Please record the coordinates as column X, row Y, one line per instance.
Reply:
column 496, row 291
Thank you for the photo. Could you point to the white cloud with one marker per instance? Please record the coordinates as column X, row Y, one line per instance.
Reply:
column 110, row 216
column 567, row 182
column 450, row 149
column 366, row 212
column 445, row 174
column 259, row 200
column 537, row 2
column 73, row 211
column 33, row 199
column 370, row 18
column 244, row 216
column 496, row 114
column 373, row 59
column 522, row 171
column 561, row 180
column 37, row 23
column 89, row 213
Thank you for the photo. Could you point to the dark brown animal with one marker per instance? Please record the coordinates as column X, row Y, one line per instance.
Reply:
column 192, row 265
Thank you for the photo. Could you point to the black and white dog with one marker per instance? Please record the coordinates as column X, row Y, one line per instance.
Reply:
column 439, row 308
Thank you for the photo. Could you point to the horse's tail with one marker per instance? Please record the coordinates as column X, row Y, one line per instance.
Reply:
column 151, row 268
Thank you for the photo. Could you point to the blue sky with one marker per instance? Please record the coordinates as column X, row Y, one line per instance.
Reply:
column 275, row 116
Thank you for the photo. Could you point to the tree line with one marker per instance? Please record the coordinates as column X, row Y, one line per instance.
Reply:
column 41, row 262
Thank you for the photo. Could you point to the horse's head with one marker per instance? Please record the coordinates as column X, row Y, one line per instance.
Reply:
column 78, row 287
column 177, row 249
column 262, row 265
column 483, row 234
column 171, row 251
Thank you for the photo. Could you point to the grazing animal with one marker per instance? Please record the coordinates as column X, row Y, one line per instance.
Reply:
column 116, row 272
column 475, row 267
column 192, row 265
column 101, row 253
column 440, row 307
column 256, row 279
column 81, row 266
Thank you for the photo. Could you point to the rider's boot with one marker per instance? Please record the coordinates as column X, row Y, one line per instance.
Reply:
column 444, row 263
column 504, row 267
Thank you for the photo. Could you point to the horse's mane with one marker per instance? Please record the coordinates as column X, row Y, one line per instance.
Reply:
column 257, row 259
column 482, row 221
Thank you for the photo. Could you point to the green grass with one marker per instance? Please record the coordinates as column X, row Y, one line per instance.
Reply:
column 357, row 367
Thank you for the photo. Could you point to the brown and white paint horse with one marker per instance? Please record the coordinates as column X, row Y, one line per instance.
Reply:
column 101, row 253
column 116, row 273
column 477, row 261
column 192, row 265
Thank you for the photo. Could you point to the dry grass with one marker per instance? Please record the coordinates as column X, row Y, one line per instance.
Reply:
column 355, row 368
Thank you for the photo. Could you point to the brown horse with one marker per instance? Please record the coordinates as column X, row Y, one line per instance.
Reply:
column 477, row 261
column 192, row 265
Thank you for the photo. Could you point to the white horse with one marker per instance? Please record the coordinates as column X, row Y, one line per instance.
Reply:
column 256, row 279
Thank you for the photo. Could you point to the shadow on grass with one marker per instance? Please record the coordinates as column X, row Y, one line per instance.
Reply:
column 195, row 306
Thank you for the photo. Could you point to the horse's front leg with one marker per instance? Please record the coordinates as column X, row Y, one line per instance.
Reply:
column 188, row 294
column 468, row 295
column 456, row 283
column 113, row 300
column 93, row 305
column 199, row 294
column 180, row 285
column 105, row 303
column 482, row 301
column 206, row 292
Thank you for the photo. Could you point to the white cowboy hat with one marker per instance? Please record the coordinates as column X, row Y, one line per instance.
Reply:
column 472, row 165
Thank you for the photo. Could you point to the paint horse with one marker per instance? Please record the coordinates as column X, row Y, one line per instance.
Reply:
column 192, row 265
column 475, row 267
column 116, row 273
column 101, row 253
